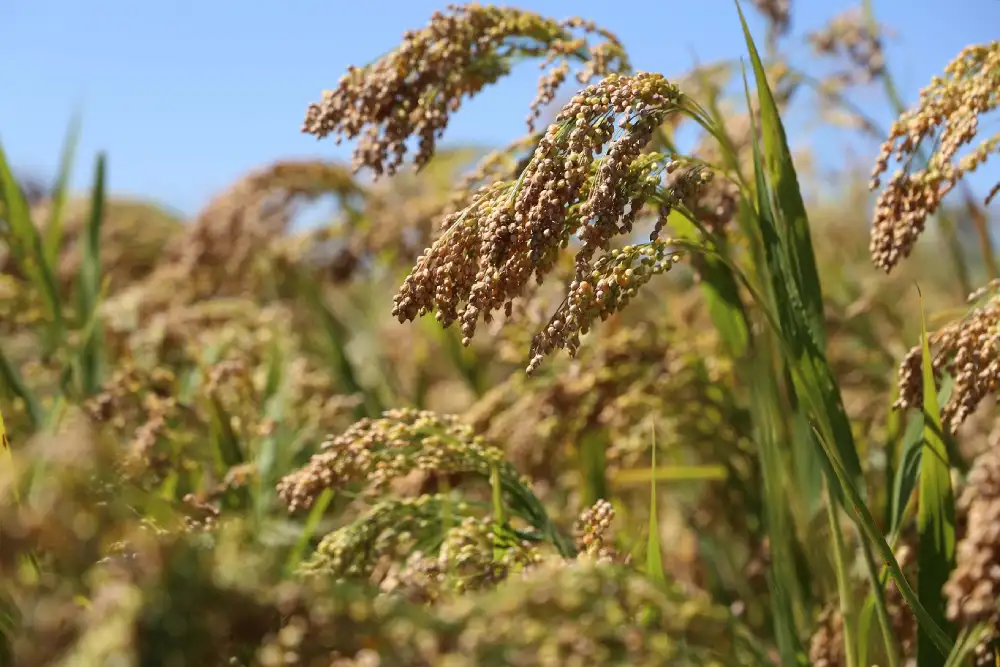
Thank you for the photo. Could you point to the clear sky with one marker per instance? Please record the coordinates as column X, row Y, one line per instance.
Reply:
column 186, row 95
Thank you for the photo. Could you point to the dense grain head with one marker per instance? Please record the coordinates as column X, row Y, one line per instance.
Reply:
column 948, row 115
column 849, row 36
column 256, row 210
column 973, row 589
column 968, row 350
column 588, row 179
column 377, row 451
column 592, row 533
column 413, row 90
column 778, row 14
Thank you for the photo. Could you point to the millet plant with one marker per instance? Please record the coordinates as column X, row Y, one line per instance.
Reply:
column 218, row 454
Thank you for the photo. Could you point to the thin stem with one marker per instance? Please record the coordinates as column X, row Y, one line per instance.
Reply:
column 979, row 223
column 878, row 583
column 843, row 584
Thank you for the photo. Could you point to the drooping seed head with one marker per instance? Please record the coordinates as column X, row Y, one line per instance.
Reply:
column 968, row 350
column 412, row 91
column 948, row 115
column 587, row 180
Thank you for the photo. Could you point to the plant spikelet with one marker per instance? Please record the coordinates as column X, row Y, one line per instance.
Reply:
column 592, row 532
column 413, row 90
column 968, row 350
column 514, row 231
column 376, row 451
column 255, row 211
column 948, row 114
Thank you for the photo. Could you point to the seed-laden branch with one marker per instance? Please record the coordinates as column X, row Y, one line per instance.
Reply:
column 413, row 90
column 586, row 181
column 948, row 116
column 967, row 349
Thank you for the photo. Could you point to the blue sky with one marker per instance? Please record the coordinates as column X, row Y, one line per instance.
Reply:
column 186, row 95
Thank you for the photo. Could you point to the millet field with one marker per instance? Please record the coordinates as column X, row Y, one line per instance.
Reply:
column 626, row 391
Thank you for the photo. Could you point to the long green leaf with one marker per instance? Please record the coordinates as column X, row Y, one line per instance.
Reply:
column 309, row 529
column 861, row 515
column 675, row 473
column 13, row 383
column 968, row 640
column 797, row 297
column 935, row 514
column 60, row 190
column 787, row 595
column 910, row 456
column 224, row 441
column 27, row 247
column 89, row 284
column 790, row 215
column 4, row 442
column 720, row 290
column 654, row 556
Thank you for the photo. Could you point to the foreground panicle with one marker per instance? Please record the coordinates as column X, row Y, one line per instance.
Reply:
column 948, row 114
column 413, row 90
column 376, row 451
column 513, row 231
column 968, row 350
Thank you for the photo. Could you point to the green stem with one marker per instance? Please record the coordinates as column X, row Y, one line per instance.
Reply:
column 843, row 582
column 878, row 584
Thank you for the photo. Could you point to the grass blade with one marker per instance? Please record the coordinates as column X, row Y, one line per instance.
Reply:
column 796, row 294
column 967, row 642
column 654, row 556
column 499, row 512
column 4, row 442
column 720, row 291
column 797, row 307
column 909, row 461
column 677, row 473
column 861, row 515
column 309, row 529
column 8, row 459
column 54, row 229
column 336, row 337
column 26, row 245
column 790, row 215
column 787, row 595
column 89, row 284
column 14, row 383
column 225, row 442
column 936, row 512
column 593, row 468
